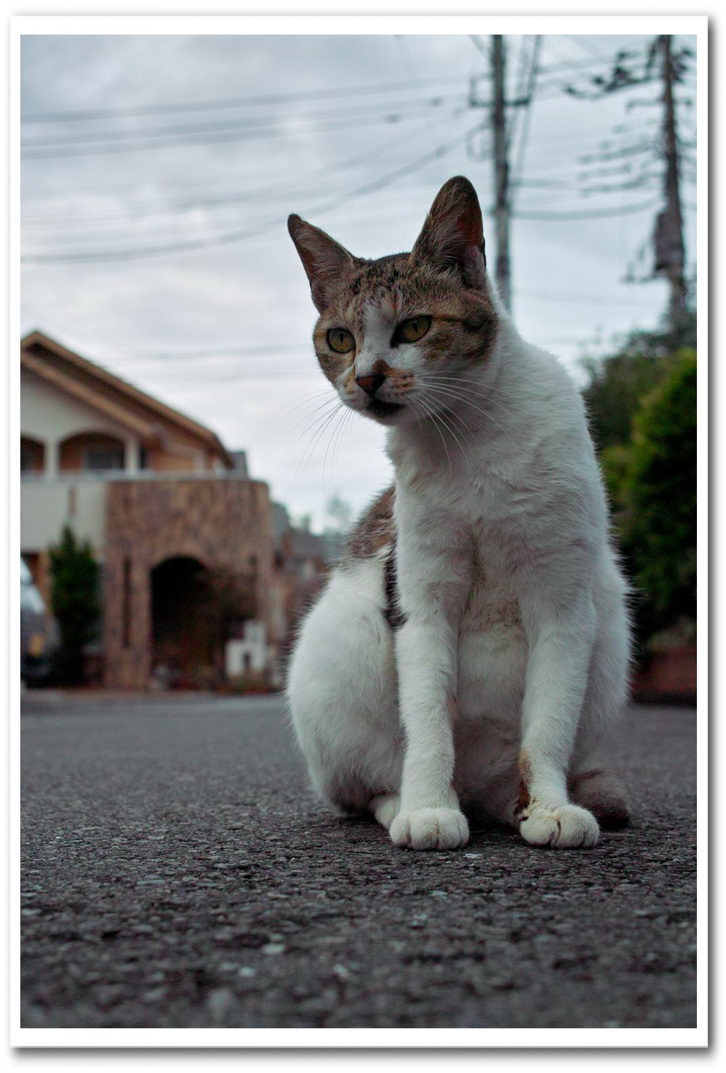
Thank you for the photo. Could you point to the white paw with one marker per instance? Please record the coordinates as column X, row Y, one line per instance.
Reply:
column 430, row 828
column 384, row 808
column 566, row 827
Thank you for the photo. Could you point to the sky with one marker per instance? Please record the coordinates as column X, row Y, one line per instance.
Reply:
column 158, row 171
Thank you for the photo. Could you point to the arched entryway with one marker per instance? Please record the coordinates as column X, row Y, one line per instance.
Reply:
column 214, row 524
column 32, row 455
column 185, row 629
column 91, row 452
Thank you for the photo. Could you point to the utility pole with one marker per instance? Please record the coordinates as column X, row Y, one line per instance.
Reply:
column 669, row 257
column 496, row 110
column 669, row 247
column 501, row 171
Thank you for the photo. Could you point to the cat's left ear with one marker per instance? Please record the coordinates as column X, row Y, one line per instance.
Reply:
column 323, row 258
column 453, row 235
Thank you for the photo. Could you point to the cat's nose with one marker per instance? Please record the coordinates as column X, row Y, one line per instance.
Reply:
column 370, row 384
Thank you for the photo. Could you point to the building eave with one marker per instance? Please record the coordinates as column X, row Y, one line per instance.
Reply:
column 127, row 391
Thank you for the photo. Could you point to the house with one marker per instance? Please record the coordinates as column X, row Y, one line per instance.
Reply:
column 183, row 536
column 302, row 565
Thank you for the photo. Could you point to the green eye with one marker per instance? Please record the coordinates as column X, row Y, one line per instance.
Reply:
column 340, row 340
column 410, row 331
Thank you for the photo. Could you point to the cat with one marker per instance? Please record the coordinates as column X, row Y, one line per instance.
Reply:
column 470, row 652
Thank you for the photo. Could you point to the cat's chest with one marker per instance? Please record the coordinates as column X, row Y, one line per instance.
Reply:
column 482, row 520
column 492, row 596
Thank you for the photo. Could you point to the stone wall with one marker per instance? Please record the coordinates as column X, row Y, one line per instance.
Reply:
column 225, row 524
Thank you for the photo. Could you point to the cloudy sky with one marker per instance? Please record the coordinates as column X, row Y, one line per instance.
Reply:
column 158, row 173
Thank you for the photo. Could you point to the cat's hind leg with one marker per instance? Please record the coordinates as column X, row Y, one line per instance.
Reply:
column 342, row 692
column 592, row 782
column 603, row 793
column 385, row 808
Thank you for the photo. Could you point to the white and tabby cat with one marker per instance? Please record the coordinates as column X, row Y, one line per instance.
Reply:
column 471, row 650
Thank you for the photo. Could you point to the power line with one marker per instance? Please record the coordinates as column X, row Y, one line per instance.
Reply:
column 528, row 94
column 202, row 194
column 586, row 44
column 229, row 102
column 223, row 126
column 162, row 204
column 140, row 141
column 233, row 352
column 579, row 299
column 588, row 214
column 215, row 353
column 236, row 236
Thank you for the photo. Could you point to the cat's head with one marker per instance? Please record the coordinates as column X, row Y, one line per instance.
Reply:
column 395, row 335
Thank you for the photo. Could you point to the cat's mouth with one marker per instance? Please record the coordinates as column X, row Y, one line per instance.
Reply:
column 382, row 410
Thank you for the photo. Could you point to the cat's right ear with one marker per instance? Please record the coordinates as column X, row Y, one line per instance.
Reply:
column 452, row 236
column 323, row 258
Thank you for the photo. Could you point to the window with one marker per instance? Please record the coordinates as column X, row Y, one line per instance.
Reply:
column 103, row 457
column 31, row 455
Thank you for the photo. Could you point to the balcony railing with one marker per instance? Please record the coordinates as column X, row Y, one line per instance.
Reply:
column 98, row 476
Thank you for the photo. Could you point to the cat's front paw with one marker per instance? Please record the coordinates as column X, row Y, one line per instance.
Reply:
column 430, row 828
column 566, row 827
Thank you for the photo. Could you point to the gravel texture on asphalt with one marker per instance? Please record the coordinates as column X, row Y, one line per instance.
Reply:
column 177, row 872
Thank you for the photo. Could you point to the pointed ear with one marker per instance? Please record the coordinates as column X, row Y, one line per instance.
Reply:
column 323, row 258
column 452, row 236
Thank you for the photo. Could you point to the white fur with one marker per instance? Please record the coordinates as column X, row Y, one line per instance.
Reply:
column 516, row 636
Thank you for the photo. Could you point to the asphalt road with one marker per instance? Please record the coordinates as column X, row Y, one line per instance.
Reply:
column 176, row 872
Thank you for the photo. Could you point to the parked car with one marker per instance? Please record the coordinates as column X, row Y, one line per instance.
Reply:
column 38, row 631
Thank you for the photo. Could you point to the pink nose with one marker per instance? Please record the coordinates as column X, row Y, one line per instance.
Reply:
column 370, row 384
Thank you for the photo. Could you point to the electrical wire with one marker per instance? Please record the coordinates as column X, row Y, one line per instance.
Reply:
column 238, row 235
column 229, row 102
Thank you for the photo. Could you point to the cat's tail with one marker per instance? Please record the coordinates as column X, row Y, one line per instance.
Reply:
column 604, row 794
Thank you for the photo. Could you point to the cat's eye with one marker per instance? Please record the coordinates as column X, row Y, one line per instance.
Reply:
column 340, row 340
column 411, row 330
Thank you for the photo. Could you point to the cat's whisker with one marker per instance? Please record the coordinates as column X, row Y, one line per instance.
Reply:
column 488, row 388
column 444, row 393
column 313, row 403
column 464, row 399
column 320, row 425
column 325, row 424
column 438, row 424
column 447, row 423
column 487, row 391
column 423, row 411
column 311, row 420
column 342, row 429
column 342, row 413
column 439, row 391
column 306, row 400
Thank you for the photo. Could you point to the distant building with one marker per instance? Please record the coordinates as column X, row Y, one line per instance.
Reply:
column 239, row 463
column 302, row 566
column 183, row 535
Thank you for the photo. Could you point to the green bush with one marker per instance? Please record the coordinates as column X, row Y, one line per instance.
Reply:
column 617, row 384
column 653, row 483
column 74, row 599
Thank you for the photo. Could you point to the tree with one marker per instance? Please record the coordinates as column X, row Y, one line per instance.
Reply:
column 74, row 599
column 619, row 382
column 340, row 513
column 654, row 479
